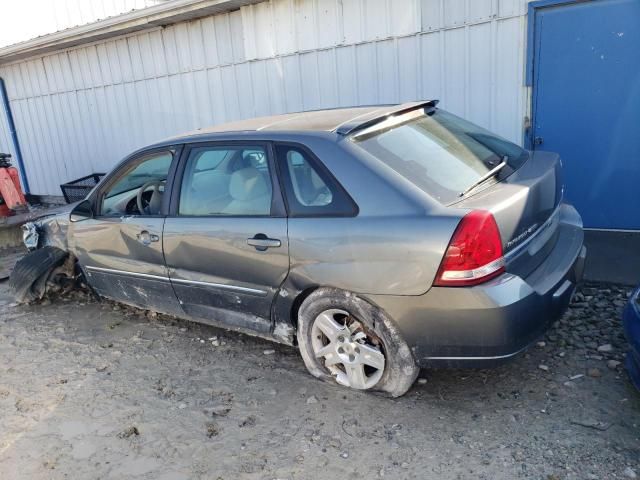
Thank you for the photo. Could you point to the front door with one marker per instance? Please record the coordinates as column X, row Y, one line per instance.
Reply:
column 225, row 240
column 586, row 104
column 120, row 249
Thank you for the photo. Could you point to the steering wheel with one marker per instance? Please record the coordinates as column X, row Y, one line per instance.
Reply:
column 154, row 203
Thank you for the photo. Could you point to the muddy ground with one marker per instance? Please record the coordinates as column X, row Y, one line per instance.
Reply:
column 90, row 389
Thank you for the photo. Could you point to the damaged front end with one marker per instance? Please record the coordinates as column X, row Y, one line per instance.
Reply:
column 47, row 231
column 48, row 267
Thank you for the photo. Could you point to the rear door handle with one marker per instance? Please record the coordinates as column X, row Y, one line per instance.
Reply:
column 261, row 242
column 145, row 238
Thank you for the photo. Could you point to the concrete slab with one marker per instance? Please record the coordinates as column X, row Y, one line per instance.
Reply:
column 613, row 257
column 10, row 231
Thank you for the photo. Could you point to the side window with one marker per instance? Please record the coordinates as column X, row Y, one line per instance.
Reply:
column 226, row 181
column 311, row 190
column 139, row 189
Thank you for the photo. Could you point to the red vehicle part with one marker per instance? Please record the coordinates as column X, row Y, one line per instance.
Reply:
column 11, row 196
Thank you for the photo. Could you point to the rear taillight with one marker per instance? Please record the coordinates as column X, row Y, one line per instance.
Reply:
column 474, row 254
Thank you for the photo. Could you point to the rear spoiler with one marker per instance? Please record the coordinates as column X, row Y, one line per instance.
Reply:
column 371, row 118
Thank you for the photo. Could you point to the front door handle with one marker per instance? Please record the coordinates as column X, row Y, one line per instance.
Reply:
column 261, row 242
column 145, row 238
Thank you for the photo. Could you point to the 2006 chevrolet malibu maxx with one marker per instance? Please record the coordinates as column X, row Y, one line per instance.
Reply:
column 377, row 239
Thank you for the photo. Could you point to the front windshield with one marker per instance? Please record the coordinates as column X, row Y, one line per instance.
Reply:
column 153, row 169
column 441, row 153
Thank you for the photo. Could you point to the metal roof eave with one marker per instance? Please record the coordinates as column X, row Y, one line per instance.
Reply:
column 146, row 18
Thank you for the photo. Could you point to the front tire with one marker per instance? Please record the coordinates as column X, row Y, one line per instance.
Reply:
column 344, row 339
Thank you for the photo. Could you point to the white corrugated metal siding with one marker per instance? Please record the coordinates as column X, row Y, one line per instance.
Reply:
column 82, row 110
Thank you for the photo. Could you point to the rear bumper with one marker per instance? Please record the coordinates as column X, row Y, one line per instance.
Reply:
column 489, row 323
column 631, row 321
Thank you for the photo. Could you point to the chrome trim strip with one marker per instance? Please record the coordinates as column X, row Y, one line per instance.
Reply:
column 131, row 274
column 221, row 286
column 611, row 230
column 498, row 357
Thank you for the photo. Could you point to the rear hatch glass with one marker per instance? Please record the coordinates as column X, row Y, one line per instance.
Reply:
column 440, row 153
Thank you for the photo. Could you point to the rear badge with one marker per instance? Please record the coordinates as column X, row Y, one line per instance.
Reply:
column 522, row 236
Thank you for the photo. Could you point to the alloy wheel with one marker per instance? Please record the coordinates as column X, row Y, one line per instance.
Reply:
column 353, row 354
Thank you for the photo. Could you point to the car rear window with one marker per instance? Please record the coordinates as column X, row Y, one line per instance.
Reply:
column 440, row 153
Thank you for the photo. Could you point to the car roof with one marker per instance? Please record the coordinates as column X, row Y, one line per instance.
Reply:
column 317, row 120
column 340, row 120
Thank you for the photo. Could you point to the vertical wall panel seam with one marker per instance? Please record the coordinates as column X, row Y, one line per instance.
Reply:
column 34, row 153
column 442, row 39
column 493, row 63
column 467, row 60
column 83, row 132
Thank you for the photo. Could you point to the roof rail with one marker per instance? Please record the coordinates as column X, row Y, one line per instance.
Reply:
column 365, row 121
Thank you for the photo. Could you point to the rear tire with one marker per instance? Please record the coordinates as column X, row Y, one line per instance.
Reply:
column 342, row 339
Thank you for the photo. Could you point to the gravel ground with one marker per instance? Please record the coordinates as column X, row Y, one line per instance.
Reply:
column 91, row 389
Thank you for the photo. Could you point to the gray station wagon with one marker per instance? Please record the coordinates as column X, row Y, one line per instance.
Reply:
column 377, row 239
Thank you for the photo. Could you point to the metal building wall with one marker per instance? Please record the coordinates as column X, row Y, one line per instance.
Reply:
column 53, row 15
column 82, row 110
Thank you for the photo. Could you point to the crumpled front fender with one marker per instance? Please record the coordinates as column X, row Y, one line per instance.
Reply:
column 51, row 231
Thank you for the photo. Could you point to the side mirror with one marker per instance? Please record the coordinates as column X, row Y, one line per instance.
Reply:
column 82, row 211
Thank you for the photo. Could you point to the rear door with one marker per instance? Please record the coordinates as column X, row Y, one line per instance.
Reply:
column 120, row 249
column 225, row 240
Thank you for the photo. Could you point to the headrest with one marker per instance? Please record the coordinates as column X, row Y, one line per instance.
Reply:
column 247, row 184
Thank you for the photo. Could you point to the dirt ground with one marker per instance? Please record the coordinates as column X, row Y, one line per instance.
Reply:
column 91, row 389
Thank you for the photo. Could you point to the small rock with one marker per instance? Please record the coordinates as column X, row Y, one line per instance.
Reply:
column 541, row 344
column 594, row 372
column 182, row 406
column 346, row 455
column 543, row 367
column 606, row 348
column 128, row 432
column 334, row 443
column 218, row 410
column 629, row 473
column 613, row 364
column 422, row 381
column 212, row 429
column 311, row 400
column 269, row 352
column 215, row 343
column 201, row 341
column 250, row 421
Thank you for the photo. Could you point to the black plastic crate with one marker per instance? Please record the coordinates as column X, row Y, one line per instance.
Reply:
column 77, row 190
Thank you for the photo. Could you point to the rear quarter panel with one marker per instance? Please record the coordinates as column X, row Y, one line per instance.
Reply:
column 393, row 246
column 384, row 255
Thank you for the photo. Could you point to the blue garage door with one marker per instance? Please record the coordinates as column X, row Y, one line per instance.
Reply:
column 586, row 104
